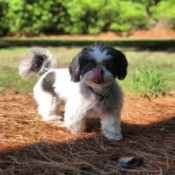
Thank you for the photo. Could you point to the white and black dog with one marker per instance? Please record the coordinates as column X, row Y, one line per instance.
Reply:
column 88, row 87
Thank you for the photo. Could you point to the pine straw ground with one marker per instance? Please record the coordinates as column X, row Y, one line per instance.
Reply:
column 30, row 146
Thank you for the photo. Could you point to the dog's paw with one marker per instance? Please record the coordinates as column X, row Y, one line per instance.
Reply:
column 112, row 135
column 51, row 118
column 75, row 126
column 75, row 129
column 58, row 122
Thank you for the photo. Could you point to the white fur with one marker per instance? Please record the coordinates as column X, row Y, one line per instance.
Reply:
column 99, row 54
column 80, row 101
column 79, row 104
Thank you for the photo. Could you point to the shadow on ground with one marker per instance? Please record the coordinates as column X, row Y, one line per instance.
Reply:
column 135, row 44
column 94, row 154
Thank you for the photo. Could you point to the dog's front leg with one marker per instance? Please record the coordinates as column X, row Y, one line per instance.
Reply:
column 110, row 125
column 74, row 120
column 74, row 123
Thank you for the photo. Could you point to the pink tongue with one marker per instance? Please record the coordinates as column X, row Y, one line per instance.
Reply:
column 98, row 77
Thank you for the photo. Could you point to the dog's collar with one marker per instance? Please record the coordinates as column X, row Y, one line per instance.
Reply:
column 100, row 95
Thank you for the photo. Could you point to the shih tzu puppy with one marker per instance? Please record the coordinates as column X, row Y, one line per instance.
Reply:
column 88, row 87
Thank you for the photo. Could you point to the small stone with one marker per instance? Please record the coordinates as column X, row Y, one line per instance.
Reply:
column 130, row 162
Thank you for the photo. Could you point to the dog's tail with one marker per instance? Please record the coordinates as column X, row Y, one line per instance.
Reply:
column 38, row 62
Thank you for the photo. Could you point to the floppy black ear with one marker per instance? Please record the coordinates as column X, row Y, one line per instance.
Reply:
column 74, row 69
column 120, row 63
column 75, row 65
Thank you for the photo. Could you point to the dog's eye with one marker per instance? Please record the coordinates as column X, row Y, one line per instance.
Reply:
column 108, row 65
column 90, row 66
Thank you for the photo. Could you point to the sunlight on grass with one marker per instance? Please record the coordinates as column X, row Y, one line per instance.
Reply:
column 10, row 81
column 149, row 81
column 10, row 58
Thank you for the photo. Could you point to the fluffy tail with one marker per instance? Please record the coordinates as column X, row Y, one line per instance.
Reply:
column 38, row 62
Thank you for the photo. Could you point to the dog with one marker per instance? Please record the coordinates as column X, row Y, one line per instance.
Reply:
column 88, row 87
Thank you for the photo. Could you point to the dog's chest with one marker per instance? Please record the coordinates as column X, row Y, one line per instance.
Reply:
column 106, row 105
column 91, row 113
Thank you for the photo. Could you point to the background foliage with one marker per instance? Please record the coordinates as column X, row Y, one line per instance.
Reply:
column 34, row 17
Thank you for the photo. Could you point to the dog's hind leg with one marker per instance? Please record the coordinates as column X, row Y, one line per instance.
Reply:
column 47, row 104
column 47, row 109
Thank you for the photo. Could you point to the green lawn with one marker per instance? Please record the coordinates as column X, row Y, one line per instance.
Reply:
column 10, row 58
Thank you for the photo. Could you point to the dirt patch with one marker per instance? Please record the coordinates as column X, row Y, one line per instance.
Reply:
column 30, row 146
column 158, row 32
column 154, row 33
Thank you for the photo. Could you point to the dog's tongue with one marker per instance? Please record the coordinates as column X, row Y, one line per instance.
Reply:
column 98, row 75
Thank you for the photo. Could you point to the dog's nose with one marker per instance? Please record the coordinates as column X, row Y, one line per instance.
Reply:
column 98, row 75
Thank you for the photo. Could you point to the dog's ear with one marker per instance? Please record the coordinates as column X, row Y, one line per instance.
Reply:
column 74, row 69
column 75, row 65
column 120, row 63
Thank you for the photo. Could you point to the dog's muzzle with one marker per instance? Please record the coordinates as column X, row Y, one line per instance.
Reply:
column 98, row 75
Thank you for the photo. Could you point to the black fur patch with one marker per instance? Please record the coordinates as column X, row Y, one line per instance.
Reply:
column 118, row 65
column 87, row 65
column 48, row 82
column 38, row 62
column 77, row 63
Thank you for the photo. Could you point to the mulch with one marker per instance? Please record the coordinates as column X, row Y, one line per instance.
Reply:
column 31, row 146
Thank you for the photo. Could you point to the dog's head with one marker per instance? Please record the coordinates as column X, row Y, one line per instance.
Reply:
column 98, row 66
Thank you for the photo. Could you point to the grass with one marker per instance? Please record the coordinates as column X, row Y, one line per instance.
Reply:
column 149, row 81
column 10, row 81
column 10, row 58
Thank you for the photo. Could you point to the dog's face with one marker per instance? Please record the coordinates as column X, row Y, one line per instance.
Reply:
column 98, row 66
